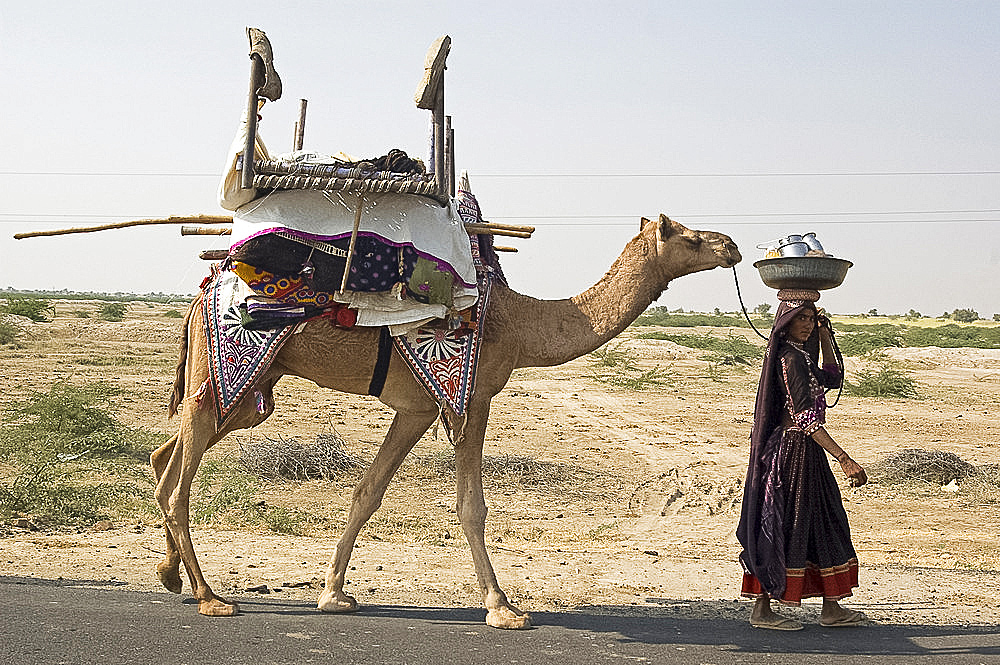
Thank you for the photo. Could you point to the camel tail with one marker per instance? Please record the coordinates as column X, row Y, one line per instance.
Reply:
column 177, row 394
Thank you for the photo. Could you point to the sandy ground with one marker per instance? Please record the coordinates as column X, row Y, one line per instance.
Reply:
column 639, row 516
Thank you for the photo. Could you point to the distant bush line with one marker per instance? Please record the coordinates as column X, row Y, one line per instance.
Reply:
column 853, row 339
column 91, row 295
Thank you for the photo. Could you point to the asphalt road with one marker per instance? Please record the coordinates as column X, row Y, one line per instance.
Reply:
column 77, row 622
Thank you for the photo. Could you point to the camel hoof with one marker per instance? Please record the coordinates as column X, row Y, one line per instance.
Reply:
column 337, row 604
column 170, row 577
column 216, row 607
column 506, row 618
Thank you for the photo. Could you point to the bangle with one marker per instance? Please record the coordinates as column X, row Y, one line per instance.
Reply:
column 842, row 457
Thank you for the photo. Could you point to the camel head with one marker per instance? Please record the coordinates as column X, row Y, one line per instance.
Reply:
column 681, row 251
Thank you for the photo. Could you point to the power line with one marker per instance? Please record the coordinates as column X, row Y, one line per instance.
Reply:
column 763, row 174
column 625, row 220
column 860, row 213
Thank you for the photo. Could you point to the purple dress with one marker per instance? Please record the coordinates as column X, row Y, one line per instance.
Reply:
column 793, row 526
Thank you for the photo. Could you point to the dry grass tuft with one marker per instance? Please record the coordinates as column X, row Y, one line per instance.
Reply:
column 326, row 459
column 930, row 466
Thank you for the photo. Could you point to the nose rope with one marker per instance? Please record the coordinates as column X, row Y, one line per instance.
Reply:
column 740, row 296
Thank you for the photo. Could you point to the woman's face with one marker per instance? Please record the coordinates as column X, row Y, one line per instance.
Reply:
column 802, row 326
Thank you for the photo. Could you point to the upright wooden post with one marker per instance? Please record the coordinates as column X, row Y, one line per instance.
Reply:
column 430, row 96
column 449, row 154
column 439, row 139
column 300, row 126
column 264, row 82
column 250, row 147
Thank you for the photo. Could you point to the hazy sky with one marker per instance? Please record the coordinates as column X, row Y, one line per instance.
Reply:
column 874, row 124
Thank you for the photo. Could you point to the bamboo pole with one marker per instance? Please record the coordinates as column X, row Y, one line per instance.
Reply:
column 197, row 219
column 486, row 229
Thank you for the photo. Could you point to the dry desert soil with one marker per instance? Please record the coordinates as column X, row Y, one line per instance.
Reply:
column 600, row 497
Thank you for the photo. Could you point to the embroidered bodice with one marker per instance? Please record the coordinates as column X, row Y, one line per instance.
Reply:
column 805, row 387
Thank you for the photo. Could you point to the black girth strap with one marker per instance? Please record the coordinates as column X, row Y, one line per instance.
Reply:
column 381, row 362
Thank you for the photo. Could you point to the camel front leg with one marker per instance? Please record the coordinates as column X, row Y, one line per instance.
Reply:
column 403, row 434
column 471, row 507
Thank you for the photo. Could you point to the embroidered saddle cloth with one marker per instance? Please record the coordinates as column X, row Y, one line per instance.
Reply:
column 238, row 356
column 443, row 360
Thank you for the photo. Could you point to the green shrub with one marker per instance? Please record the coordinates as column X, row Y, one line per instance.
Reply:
column 660, row 316
column 172, row 314
column 9, row 332
column 67, row 462
column 112, row 311
column 953, row 336
column 860, row 343
column 36, row 309
column 227, row 494
column 728, row 350
column 618, row 368
column 965, row 315
column 885, row 381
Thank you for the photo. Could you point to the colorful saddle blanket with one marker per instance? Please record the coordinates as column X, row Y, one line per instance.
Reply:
column 237, row 355
column 444, row 361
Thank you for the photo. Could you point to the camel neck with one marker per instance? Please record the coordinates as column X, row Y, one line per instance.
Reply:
column 561, row 330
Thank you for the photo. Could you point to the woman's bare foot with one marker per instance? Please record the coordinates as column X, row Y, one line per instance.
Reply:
column 763, row 616
column 833, row 615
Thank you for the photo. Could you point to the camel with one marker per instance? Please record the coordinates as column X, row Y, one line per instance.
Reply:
column 518, row 331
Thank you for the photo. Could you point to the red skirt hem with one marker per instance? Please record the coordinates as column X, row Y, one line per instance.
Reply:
column 833, row 583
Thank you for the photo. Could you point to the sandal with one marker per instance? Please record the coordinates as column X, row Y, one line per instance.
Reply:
column 852, row 618
column 777, row 623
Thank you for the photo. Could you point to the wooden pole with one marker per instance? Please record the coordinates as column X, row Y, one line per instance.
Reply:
column 300, row 126
column 508, row 227
column 218, row 254
column 205, row 231
column 250, row 147
column 449, row 155
column 509, row 230
column 197, row 219
column 439, row 170
column 494, row 231
column 354, row 237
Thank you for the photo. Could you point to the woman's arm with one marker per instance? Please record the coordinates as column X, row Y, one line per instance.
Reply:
column 854, row 471
column 832, row 375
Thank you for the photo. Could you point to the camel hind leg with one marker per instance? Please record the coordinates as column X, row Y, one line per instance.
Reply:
column 403, row 434
column 168, row 570
column 175, row 464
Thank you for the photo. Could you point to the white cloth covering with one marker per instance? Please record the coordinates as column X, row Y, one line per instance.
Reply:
column 433, row 230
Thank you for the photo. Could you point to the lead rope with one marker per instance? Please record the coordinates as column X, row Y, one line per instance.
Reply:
column 740, row 296
column 836, row 349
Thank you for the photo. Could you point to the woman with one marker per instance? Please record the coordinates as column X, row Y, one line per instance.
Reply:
column 793, row 526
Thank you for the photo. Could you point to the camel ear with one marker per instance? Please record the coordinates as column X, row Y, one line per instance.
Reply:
column 642, row 223
column 667, row 227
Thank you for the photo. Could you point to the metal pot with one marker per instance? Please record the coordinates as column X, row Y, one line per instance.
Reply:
column 797, row 248
column 810, row 239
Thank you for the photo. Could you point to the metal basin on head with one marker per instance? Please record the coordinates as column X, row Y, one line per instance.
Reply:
column 803, row 272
